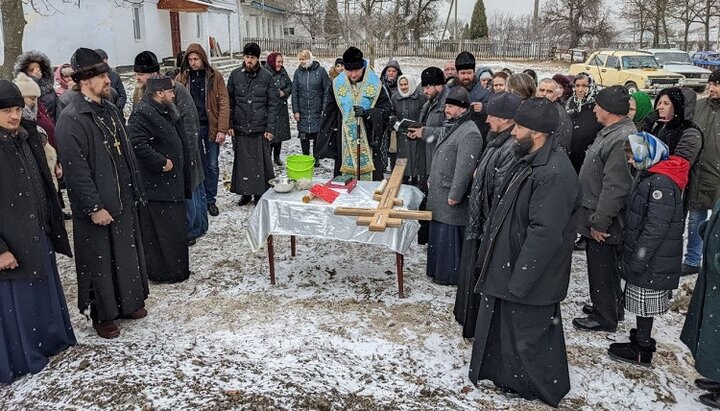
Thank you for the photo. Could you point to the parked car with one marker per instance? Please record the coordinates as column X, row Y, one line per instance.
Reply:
column 636, row 70
column 678, row 61
column 706, row 59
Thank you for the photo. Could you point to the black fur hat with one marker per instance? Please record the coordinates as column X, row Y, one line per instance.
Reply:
column 146, row 62
column 353, row 59
column 87, row 63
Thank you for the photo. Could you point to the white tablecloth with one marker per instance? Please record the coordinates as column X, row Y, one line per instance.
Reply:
column 286, row 214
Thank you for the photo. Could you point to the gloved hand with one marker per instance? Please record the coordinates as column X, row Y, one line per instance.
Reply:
column 360, row 111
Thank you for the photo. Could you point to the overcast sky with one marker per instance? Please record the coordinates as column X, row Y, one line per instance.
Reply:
column 465, row 7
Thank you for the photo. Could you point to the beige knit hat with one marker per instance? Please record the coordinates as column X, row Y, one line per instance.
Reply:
column 28, row 87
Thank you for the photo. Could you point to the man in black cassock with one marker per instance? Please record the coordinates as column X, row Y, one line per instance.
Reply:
column 524, row 262
column 155, row 130
column 103, row 182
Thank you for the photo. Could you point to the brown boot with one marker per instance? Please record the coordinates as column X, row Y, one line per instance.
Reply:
column 136, row 315
column 106, row 329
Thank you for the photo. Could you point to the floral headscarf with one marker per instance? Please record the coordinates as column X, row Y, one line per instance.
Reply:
column 575, row 104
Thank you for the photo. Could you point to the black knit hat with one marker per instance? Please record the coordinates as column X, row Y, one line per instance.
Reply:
column 102, row 53
column 614, row 99
column 503, row 105
column 87, row 63
column 432, row 76
column 465, row 61
column 158, row 83
column 146, row 62
column 252, row 49
column 458, row 96
column 10, row 95
column 339, row 60
column 353, row 59
column 715, row 76
column 538, row 114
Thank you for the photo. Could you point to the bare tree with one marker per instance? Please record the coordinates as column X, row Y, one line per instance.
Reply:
column 577, row 21
column 637, row 13
column 707, row 10
column 685, row 12
column 308, row 12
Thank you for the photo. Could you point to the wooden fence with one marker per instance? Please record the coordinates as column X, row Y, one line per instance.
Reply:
column 439, row 49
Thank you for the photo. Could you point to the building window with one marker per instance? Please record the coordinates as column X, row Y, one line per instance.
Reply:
column 257, row 26
column 289, row 31
column 198, row 20
column 138, row 21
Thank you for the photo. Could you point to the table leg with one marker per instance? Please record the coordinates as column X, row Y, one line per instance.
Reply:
column 292, row 245
column 271, row 259
column 400, row 260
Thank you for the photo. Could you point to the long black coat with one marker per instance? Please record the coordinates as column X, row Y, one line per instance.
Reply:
column 309, row 91
column 254, row 101
column 155, row 133
column 526, row 252
column 19, row 225
column 653, row 238
column 282, row 125
column 585, row 128
column 410, row 107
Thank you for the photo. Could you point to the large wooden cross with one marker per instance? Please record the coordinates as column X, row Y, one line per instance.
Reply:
column 378, row 219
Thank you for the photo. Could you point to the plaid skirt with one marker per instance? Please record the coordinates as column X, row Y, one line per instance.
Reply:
column 644, row 302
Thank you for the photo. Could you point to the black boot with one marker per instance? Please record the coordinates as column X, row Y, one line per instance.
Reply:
column 244, row 200
column 580, row 244
column 711, row 400
column 632, row 352
column 707, row 384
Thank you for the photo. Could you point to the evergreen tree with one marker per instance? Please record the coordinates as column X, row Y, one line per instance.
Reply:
column 331, row 24
column 478, row 24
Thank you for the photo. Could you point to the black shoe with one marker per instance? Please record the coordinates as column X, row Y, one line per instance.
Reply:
column 256, row 199
column 588, row 309
column 67, row 216
column 278, row 162
column 711, row 400
column 580, row 244
column 213, row 210
column 689, row 269
column 707, row 384
column 192, row 242
column 633, row 353
column 591, row 324
column 244, row 200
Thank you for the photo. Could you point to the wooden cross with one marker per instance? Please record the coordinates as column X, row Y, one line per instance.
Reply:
column 117, row 146
column 378, row 219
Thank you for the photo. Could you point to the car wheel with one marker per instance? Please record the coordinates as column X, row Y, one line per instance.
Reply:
column 631, row 87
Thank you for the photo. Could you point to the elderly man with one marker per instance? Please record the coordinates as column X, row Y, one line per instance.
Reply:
column 105, row 187
column 606, row 183
column 450, row 72
column 456, row 155
column 524, row 266
column 552, row 91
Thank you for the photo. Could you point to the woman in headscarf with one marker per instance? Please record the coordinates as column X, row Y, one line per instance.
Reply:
column 284, row 87
column 640, row 107
column 408, row 102
column 63, row 81
column 585, row 125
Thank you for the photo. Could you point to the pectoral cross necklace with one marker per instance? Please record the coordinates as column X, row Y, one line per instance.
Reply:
column 113, row 132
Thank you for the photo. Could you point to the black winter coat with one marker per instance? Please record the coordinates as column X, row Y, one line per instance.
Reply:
column 117, row 85
column 254, row 101
column 20, row 227
column 282, row 125
column 585, row 129
column 653, row 238
column 414, row 150
column 156, row 135
column 310, row 87
column 90, row 172
column 526, row 252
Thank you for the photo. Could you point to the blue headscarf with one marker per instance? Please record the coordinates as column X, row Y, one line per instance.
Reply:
column 647, row 150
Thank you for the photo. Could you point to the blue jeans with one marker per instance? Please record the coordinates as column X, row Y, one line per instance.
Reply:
column 693, row 253
column 211, row 165
column 196, row 213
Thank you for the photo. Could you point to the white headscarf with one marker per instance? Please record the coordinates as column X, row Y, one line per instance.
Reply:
column 411, row 82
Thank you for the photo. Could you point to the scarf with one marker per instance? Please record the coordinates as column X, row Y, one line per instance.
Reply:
column 575, row 103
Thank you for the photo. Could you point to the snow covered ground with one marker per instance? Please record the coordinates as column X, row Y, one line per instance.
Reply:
column 331, row 335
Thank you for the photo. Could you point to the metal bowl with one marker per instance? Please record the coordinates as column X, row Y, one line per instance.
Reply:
column 282, row 184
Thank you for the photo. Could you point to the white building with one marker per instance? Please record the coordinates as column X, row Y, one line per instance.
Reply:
column 123, row 28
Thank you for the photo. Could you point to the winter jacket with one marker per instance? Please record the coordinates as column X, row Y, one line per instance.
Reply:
column 89, row 168
column 217, row 102
column 585, row 129
column 44, row 121
column 563, row 132
column 391, row 85
column 704, row 189
column 309, row 92
column 409, row 107
column 155, row 133
column 20, row 227
column 654, row 226
column 432, row 116
column 117, row 84
column 47, row 82
column 478, row 93
column 455, row 160
column 703, row 317
column 67, row 97
column 282, row 126
column 496, row 165
column 526, row 251
column 606, row 182
column 254, row 101
column 681, row 134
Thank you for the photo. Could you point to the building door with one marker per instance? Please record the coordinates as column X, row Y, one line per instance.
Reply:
column 175, row 32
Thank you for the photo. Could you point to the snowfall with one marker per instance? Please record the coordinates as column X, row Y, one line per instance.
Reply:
column 331, row 335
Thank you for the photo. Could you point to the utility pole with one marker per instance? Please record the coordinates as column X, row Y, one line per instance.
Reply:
column 456, row 21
